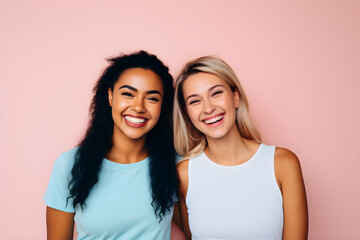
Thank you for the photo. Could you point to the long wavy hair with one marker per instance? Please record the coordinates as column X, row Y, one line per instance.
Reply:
column 190, row 142
column 97, row 141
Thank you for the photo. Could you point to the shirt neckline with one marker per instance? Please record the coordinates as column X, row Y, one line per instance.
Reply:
column 139, row 164
column 234, row 166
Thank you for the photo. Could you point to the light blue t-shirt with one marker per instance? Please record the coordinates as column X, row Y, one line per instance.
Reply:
column 119, row 205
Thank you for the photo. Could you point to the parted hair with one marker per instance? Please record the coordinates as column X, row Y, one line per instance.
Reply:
column 190, row 142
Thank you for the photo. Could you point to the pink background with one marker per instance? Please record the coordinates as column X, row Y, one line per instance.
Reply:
column 299, row 62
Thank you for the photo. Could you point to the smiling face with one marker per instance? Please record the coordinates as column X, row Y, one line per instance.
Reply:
column 136, row 101
column 210, row 104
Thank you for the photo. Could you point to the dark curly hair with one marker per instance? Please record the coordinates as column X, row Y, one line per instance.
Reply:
column 97, row 141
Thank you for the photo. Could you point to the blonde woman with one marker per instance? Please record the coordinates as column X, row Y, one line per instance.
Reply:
column 232, row 186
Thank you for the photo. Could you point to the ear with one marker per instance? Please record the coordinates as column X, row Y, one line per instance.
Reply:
column 237, row 98
column 110, row 94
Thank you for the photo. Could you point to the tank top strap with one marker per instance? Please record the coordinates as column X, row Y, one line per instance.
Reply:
column 265, row 155
column 266, row 168
column 235, row 202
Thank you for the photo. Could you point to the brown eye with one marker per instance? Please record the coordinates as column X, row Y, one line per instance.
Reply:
column 127, row 94
column 154, row 99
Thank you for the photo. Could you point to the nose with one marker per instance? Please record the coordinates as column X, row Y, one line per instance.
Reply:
column 209, row 106
column 138, row 105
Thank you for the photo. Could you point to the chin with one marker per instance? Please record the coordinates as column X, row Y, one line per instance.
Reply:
column 216, row 135
column 134, row 135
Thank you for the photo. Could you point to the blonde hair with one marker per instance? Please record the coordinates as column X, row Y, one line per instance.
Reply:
column 190, row 142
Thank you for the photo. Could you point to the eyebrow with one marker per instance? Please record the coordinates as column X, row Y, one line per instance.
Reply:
column 153, row 92
column 211, row 88
column 129, row 87
column 135, row 90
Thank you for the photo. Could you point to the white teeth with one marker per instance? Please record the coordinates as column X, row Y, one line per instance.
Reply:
column 135, row 120
column 215, row 119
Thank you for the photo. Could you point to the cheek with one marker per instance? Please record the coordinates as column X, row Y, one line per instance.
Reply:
column 228, row 102
column 119, row 103
column 156, row 111
column 225, row 100
column 118, row 108
column 193, row 115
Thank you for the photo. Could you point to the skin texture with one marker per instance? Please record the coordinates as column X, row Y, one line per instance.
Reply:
column 177, row 216
column 59, row 224
column 214, row 100
column 182, row 169
column 137, row 93
column 290, row 181
column 204, row 99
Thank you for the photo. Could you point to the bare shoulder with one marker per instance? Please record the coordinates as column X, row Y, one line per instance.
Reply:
column 182, row 169
column 291, row 183
column 286, row 158
column 287, row 166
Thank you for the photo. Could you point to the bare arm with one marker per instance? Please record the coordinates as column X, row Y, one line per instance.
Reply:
column 177, row 216
column 182, row 170
column 59, row 224
column 290, row 180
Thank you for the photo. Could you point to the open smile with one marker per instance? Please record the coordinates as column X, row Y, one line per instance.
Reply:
column 214, row 121
column 133, row 121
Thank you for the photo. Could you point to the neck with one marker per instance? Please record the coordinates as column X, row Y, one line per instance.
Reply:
column 228, row 149
column 126, row 150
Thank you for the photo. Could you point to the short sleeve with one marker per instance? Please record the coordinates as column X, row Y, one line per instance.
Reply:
column 57, row 192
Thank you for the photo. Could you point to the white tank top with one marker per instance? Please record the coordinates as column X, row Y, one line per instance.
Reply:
column 235, row 202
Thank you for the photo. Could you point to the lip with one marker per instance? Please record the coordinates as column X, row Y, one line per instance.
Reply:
column 135, row 125
column 216, row 124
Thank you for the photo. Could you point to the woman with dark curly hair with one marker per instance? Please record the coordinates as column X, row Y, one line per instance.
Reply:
column 120, row 182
